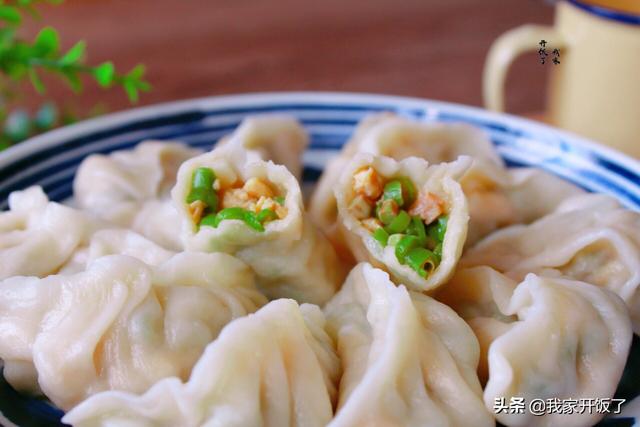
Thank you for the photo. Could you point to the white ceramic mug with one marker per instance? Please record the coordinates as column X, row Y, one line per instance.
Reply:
column 595, row 90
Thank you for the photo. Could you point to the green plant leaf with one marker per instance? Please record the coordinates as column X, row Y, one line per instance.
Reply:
column 144, row 86
column 21, row 60
column 16, row 70
column 137, row 72
column 75, row 54
column 73, row 80
column 36, row 81
column 104, row 74
column 131, row 90
column 10, row 15
column 6, row 38
column 47, row 42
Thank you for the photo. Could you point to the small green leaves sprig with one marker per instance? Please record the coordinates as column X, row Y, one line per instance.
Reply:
column 21, row 60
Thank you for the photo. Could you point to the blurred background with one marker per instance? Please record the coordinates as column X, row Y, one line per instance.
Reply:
column 425, row 48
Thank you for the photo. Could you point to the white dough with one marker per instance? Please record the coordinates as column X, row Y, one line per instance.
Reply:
column 408, row 360
column 275, row 368
column 543, row 338
column 121, row 324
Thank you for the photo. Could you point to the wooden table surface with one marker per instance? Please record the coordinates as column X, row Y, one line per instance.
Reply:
column 426, row 48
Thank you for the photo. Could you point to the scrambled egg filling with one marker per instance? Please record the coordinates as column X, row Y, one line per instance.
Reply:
column 397, row 215
column 255, row 201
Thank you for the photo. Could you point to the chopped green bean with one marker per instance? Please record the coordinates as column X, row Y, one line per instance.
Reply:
column 395, row 238
column 229, row 213
column 409, row 192
column 279, row 200
column 417, row 229
column 438, row 250
column 422, row 261
column 208, row 197
column 267, row 215
column 203, row 178
column 399, row 224
column 251, row 219
column 393, row 191
column 209, row 220
column 437, row 229
column 406, row 244
column 386, row 211
column 381, row 236
column 248, row 217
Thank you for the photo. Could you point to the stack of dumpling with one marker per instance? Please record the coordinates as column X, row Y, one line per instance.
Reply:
column 142, row 306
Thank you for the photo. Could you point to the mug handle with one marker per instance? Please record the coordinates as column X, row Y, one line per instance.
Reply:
column 504, row 50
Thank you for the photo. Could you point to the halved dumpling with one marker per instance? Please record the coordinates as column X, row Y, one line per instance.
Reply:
column 407, row 216
column 229, row 200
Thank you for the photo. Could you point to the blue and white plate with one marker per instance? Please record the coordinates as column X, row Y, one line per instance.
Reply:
column 50, row 160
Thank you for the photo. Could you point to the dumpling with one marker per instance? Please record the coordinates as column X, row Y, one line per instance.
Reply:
column 323, row 207
column 131, row 188
column 399, row 138
column 535, row 193
column 407, row 359
column 37, row 236
column 275, row 137
column 116, row 242
column 231, row 201
column 409, row 217
column 120, row 325
column 275, row 368
column 543, row 338
column 590, row 238
column 496, row 196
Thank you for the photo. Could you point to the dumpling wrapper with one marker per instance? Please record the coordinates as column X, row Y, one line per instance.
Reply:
column 543, row 338
column 275, row 137
column 441, row 180
column 291, row 258
column 116, row 242
column 119, row 325
column 497, row 197
column 590, row 238
column 37, row 236
column 274, row 368
column 408, row 360
column 130, row 188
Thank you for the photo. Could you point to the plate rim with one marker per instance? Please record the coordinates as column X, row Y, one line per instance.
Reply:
column 132, row 115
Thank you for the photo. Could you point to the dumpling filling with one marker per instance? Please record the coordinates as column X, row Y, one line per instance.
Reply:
column 397, row 215
column 255, row 202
